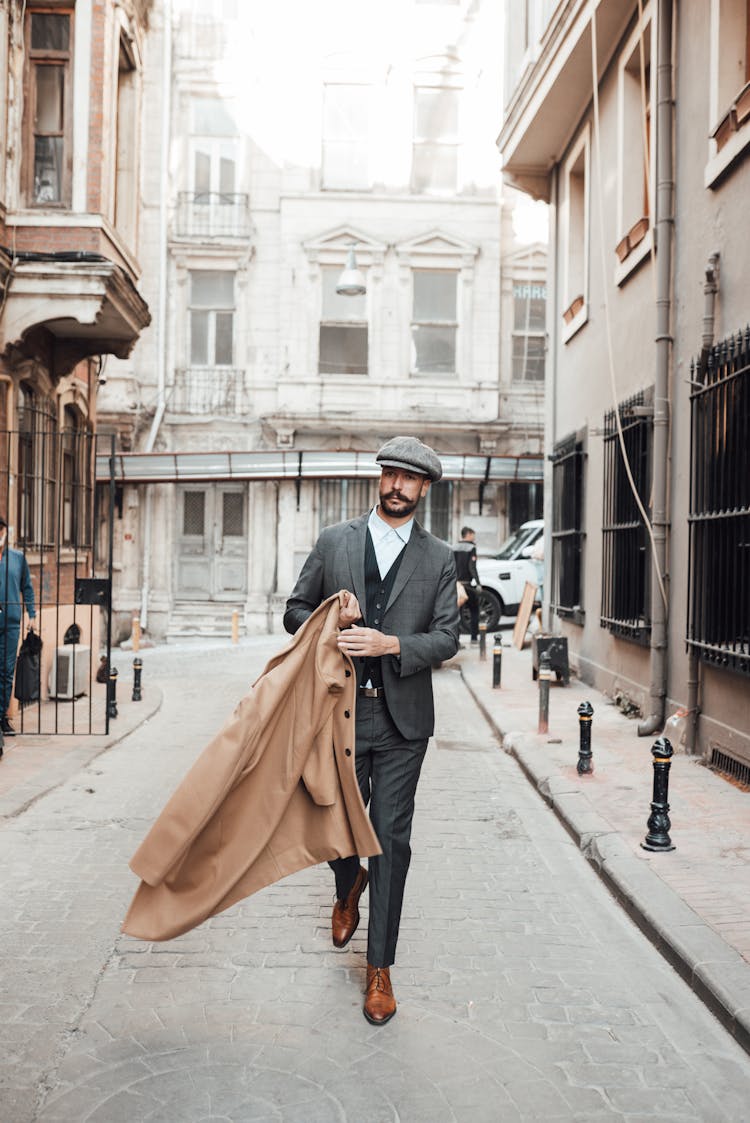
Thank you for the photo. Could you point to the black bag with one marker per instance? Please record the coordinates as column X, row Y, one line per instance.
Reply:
column 29, row 669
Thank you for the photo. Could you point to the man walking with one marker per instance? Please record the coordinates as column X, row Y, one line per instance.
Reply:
column 465, row 554
column 400, row 617
column 16, row 591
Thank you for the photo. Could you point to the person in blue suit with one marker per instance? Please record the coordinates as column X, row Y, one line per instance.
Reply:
column 16, row 593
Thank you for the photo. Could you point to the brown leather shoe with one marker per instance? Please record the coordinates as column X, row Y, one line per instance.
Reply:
column 380, row 1005
column 345, row 917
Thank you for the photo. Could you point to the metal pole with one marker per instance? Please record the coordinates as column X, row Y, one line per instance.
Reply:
column 112, row 693
column 585, row 714
column 482, row 643
column 658, row 821
column 545, row 674
column 497, row 661
column 137, row 668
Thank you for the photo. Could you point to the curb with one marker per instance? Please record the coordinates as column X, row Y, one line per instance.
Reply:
column 717, row 973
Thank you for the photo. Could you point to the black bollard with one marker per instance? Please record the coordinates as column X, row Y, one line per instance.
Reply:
column 137, row 668
column 482, row 643
column 544, row 676
column 585, row 714
column 658, row 821
column 497, row 661
column 112, row 693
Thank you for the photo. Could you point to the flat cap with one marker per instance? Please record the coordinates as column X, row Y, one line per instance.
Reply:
column 412, row 455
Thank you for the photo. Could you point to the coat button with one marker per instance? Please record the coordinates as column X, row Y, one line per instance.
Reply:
column 347, row 713
column 348, row 752
column 348, row 673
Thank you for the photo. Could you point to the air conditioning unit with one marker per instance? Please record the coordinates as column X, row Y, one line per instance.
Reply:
column 70, row 670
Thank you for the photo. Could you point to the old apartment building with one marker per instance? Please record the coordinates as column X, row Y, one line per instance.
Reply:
column 70, row 95
column 249, row 415
column 633, row 121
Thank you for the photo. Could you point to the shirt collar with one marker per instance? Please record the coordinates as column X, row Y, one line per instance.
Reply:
column 380, row 530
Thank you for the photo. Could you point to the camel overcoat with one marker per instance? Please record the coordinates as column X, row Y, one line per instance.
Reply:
column 274, row 792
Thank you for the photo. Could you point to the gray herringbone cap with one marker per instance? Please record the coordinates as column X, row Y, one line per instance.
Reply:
column 411, row 454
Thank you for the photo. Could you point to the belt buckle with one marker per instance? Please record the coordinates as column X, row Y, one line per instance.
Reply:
column 370, row 691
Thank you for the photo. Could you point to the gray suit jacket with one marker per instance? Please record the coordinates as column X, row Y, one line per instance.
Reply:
column 422, row 611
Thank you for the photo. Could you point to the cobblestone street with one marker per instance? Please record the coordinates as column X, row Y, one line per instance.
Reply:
column 524, row 990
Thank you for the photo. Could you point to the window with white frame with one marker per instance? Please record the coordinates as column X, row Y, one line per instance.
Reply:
column 731, row 69
column 211, row 313
column 575, row 235
column 635, row 159
column 343, row 339
column 529, row 331
column 346, row 136
column 434, row 321
column 435, row 147
column 48, row 121
column 213, row 149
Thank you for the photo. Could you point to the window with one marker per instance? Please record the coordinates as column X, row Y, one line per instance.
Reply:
column 346, row 136
column 434, row 510
column 36, row 469
column 126, row 147
column 529, row 336
column 435, row 151
column 343, row 339
column 339, row 500
column 48, row 102
column 213, row 147
column 729, row 86
column 75, row 445
column 719, row 578
column 568, row 460
column 434, row 321
column 525, row 502
column 211, row 318
column 575, row 236
column 626, row 557
column 635, row 169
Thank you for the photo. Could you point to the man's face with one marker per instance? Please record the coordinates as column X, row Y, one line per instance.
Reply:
column 400, row 491
column 3, row 536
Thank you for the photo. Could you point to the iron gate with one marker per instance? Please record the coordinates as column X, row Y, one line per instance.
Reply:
column 61, row 521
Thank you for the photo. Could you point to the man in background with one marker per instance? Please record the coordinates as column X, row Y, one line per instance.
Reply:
column 16, row 592
column 465, row 554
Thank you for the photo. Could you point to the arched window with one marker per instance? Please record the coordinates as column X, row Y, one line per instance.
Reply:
column 75, row 497
column 36, row 469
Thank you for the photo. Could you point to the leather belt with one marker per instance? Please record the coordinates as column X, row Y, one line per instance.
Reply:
column 372, row 692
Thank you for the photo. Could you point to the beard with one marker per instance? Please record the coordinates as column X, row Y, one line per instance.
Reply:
column 400, row 510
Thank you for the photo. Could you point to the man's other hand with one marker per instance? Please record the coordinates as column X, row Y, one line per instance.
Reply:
column 357, row 642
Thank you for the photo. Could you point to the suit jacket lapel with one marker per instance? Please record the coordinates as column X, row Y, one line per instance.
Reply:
column 412, row 556
column 355, row 547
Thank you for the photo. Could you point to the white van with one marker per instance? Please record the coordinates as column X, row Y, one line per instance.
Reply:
column 504, row 574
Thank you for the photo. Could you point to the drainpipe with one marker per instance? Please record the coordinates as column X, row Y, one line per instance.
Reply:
column 161, row 336
column 710, row 289
column 664, row 245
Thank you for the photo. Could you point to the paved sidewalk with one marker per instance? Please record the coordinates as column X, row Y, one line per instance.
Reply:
column 694, row 901
column 33, row 765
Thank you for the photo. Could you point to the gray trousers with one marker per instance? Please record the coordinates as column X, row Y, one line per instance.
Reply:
column 388, row 769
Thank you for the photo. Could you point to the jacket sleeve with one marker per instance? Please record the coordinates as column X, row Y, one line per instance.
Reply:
column 425, row 649
column 27, row 589
column 307, row 594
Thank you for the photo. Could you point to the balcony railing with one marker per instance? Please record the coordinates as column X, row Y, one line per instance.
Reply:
column 202, row 37
column 210, row 390
column 212, row 214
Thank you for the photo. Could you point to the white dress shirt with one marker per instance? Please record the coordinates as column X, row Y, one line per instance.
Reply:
column 388, row 541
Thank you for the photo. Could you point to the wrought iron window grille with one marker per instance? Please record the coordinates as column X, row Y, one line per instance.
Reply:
column 719, row 520
column 568, row 467
column 626, row 558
